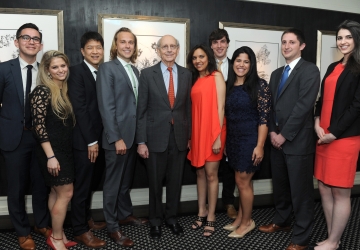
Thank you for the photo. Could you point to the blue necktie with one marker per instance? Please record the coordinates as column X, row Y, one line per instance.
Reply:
column 284, row 77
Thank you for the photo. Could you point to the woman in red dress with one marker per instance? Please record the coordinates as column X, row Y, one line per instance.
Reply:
column 208, row 131
column 337, row 125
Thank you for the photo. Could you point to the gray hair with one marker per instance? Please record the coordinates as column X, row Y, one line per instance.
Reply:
column 158, row 44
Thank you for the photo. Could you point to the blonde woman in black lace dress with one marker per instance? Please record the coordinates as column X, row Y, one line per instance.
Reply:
column 53, row 120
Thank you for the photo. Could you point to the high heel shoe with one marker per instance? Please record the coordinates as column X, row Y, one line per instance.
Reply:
column 49, row 242
column 248, row 229
column 230, row 227
column 70, row 244
column 196, row 225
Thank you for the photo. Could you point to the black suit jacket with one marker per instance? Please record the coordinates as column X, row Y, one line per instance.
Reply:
column 82, row 93
column 345, row 115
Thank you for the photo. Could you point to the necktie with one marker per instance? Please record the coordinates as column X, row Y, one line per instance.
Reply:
column 28, row 123
column 133, row 83
column 284, row 77
column 171, row 92
column 219, row 66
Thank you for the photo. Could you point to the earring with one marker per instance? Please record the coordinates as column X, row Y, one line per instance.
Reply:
column 49, row 76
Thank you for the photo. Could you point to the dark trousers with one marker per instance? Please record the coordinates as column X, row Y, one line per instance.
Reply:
column 292, row 177
column 119, row 173
column 22, row 167
column 84, row 180
column 228, row 181
column 167, row 165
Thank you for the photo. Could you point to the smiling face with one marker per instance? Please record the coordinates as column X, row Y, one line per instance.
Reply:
column 168, row 50
column 28, row 49
column 242, row 66
column 125, row 45
column 200, row 61
column 220, row 48
column 93, row 53
column 58, row 70
column 345, row 42
column 290, row 47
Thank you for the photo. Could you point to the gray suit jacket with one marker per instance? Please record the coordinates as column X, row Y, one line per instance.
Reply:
column 294, row 107
column 154, row 113
column 117, row 104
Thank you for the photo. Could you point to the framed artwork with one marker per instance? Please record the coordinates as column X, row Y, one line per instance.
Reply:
column 326, row 51
column 264, row 40
column 148, row 30
column 50, row 23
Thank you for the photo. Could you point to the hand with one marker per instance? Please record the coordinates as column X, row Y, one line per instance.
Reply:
column 258, row 155
column 189, row 144
column 216, row 146
column 53, row 166
column 93, row 152
column 143, row 151
column 327, row 138
column 319, row 130
column 277, row 140
column 120, row 147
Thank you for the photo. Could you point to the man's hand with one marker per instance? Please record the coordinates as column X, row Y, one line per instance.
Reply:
column 120, row 147
column 93, row 152
column 143, row 151
column 189, row 144
column 277, row 140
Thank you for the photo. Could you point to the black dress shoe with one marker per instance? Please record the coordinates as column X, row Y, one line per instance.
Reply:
column 312, row 246
column 176, row 229
column 155, row 232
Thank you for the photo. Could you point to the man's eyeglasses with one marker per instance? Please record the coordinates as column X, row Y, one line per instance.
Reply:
column 27, row 38
column 166, row 47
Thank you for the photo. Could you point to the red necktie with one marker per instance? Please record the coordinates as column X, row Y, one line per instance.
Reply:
column 171, row 92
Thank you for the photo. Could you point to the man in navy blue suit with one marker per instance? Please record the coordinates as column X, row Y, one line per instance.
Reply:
column 17, row 143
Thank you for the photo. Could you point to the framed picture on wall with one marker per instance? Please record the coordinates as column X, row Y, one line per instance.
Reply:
column 50, row 23
column 264, row 40
column 148, row 30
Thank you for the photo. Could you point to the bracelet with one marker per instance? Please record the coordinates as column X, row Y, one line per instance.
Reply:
column 51, row 157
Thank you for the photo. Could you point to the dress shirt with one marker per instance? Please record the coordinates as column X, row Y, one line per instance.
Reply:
column 224, row 67
column 129, row 73
column 24, row 70
column 292, row 64
column 166, row 76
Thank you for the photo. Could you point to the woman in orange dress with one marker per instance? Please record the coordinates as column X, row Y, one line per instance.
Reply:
column 337, row 124
column 208, row 131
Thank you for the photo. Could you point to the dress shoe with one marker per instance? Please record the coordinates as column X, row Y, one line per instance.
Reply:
column 176, row 229
column 95, row 226
column 248, row 229
column 155, row 232
column 26, row 242
column 134, row 221
column 45, row 231
column 121, row 239
column 293, row 246
column 230, row 227
column 90, row 240
column 231, row 211
column 272, row 228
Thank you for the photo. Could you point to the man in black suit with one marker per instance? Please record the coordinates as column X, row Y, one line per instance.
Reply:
column 219, row 43
column 294, row 89
column 87, row 137
column 17, row 143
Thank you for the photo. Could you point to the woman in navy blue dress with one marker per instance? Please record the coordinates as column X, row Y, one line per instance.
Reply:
column 247, row 110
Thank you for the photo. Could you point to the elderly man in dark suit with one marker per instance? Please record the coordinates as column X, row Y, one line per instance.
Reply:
column 163, row 132
column 17, row 143
column 294, row 89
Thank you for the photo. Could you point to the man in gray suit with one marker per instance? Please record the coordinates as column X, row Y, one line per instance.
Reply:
column 163, row 132
column 117, row 84
column 294, row 89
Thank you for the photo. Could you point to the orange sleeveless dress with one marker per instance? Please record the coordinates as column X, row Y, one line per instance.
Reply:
column 336, row 162
column 205, row 122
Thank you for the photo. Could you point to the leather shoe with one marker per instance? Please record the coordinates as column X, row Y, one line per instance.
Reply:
column 26, row 242
column 95, row 226
column 121, row 239
column 294, row 246
column 231, row 211
column 134, row 221
column 176, row 229
column 45, row 231
column 155, row 232
column 90, row 240
column 272, row 228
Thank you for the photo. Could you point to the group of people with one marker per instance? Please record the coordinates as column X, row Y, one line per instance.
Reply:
column 56, row 119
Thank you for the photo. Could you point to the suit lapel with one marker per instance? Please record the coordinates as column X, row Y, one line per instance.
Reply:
column 123, row 71
column 16, row 72
column 341, row 78
column 89, row 75
column 180, row 86
column 159, row 81
column 291, row 77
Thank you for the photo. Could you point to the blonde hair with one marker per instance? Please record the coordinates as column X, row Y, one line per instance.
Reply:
column 60, row 102
column 113, row 50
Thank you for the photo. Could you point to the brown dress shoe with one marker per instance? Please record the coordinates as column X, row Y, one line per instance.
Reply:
column 121, row 239
column 90, row 240
column 95, row 226
column 45, row 231
column 231, row 211
column 293, row 246
column 272, row 228
column 26, row 243
column 134, row 221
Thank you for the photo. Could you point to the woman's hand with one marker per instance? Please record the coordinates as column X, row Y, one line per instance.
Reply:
column 53, row 166
column 217, row 145
column 258, row 155
column 319, row 130
column 326, row 139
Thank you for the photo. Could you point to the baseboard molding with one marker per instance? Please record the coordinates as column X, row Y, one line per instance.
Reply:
column 141, row 196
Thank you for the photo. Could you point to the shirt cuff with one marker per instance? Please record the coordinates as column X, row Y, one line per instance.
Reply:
column 92, row 144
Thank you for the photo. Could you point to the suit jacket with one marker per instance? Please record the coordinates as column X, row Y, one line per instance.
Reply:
column 12, row 105
column 345, row 115
column 154, row 113
column 293, row 109
column 117, row 104
column 82, row 93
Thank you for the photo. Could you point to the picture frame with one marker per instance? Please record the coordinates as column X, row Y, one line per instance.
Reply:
column 264, row 40
column 50, row 23
column 148, row 30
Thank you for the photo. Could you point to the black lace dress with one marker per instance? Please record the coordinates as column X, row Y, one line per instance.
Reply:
column 49, row 127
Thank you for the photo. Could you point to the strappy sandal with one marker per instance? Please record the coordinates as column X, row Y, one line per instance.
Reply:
column 209, row 231
column 196, row 225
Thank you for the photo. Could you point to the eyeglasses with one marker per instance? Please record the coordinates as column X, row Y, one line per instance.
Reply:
column 166, row 47
column 27, row 38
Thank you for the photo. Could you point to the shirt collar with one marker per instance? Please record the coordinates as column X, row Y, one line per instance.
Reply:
column 164, row 68
column 23, row 64
column 293, row 63
column 223, row 60
column 92, row 68
column 123, row 62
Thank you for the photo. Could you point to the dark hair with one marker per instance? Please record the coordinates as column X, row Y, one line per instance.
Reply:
column 251, row 83
column 298, row 33
column 28, row 26
column 353, row 63
column 211, row 65
column 218, row 34
column 91, row 35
